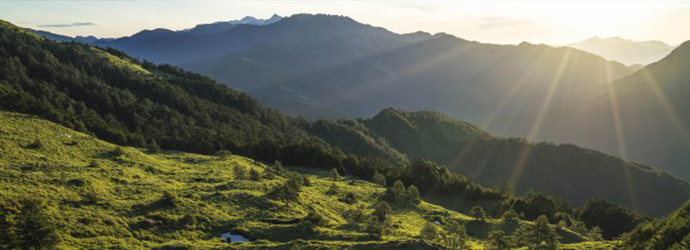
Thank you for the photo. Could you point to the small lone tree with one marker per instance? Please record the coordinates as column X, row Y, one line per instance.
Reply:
column 34, row 228
column 430, row 232
column 498, row 240
column 333, row 174
column 478, row 213
column 379, row 179
column 413, row 194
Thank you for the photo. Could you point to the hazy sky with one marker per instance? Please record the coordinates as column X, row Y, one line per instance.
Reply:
column 546, row 21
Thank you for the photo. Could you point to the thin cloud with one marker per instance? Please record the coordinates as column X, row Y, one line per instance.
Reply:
column 65, row 25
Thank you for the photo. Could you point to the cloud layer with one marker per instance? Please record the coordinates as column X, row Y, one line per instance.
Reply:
column 65, row 25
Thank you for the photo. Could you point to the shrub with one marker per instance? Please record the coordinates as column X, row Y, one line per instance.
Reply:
column 254, row 175
column 333, row 174
column 510, row 216
column 379, row 179
column 455, row 235
column 413, row 194
column 36, row 144
column 223, row 154
column 240, row 172
column 498, row 240
column 396, row 192
column 478, row 213
column 429, row 232
column 333, row 189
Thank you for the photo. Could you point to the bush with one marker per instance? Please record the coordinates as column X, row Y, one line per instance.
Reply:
column 254, row 175
column 478, row 213
column 429, row 232
column 333, row 174
column 240, row 172
column 498, row 241
column 413, row 194
column 223, row 154
column 511, row 216
column 455, row 235
column 289, row 190
column 36, row 144
column 333, row 189
column 379, row 179
column 396, row 192
column 382, row 211
column 349, row 198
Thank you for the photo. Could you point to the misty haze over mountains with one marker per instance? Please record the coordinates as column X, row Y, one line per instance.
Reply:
column 626, row 51
column 321, row 66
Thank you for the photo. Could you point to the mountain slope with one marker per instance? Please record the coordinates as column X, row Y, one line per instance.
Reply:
column 100, row 195
column 639, row 117
column 568, row 171
column 672, row 232
column 624, row 50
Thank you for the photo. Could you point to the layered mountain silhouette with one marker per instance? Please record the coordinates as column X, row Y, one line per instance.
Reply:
column 332, row 66
column 625, row 50
column 641, row 116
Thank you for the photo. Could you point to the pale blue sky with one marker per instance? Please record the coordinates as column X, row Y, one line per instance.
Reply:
column 554, row 22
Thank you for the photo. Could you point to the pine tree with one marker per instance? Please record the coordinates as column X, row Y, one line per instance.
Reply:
column 34, row 228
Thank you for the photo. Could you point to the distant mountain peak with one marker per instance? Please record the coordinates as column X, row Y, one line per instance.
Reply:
column 624, row 50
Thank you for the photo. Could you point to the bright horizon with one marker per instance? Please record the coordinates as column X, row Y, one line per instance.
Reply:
column 503, row 22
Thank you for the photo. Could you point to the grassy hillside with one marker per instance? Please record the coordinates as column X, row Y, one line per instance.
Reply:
column 100, row 195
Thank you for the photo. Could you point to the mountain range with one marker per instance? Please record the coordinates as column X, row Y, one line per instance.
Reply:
column 353, row 183
column 347, row 69
column 123, row 101
column 626, row 51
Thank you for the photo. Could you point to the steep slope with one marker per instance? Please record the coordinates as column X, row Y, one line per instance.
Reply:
column 672, row 232
column 99, row 195
column 568, row 171
column 625, row 50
